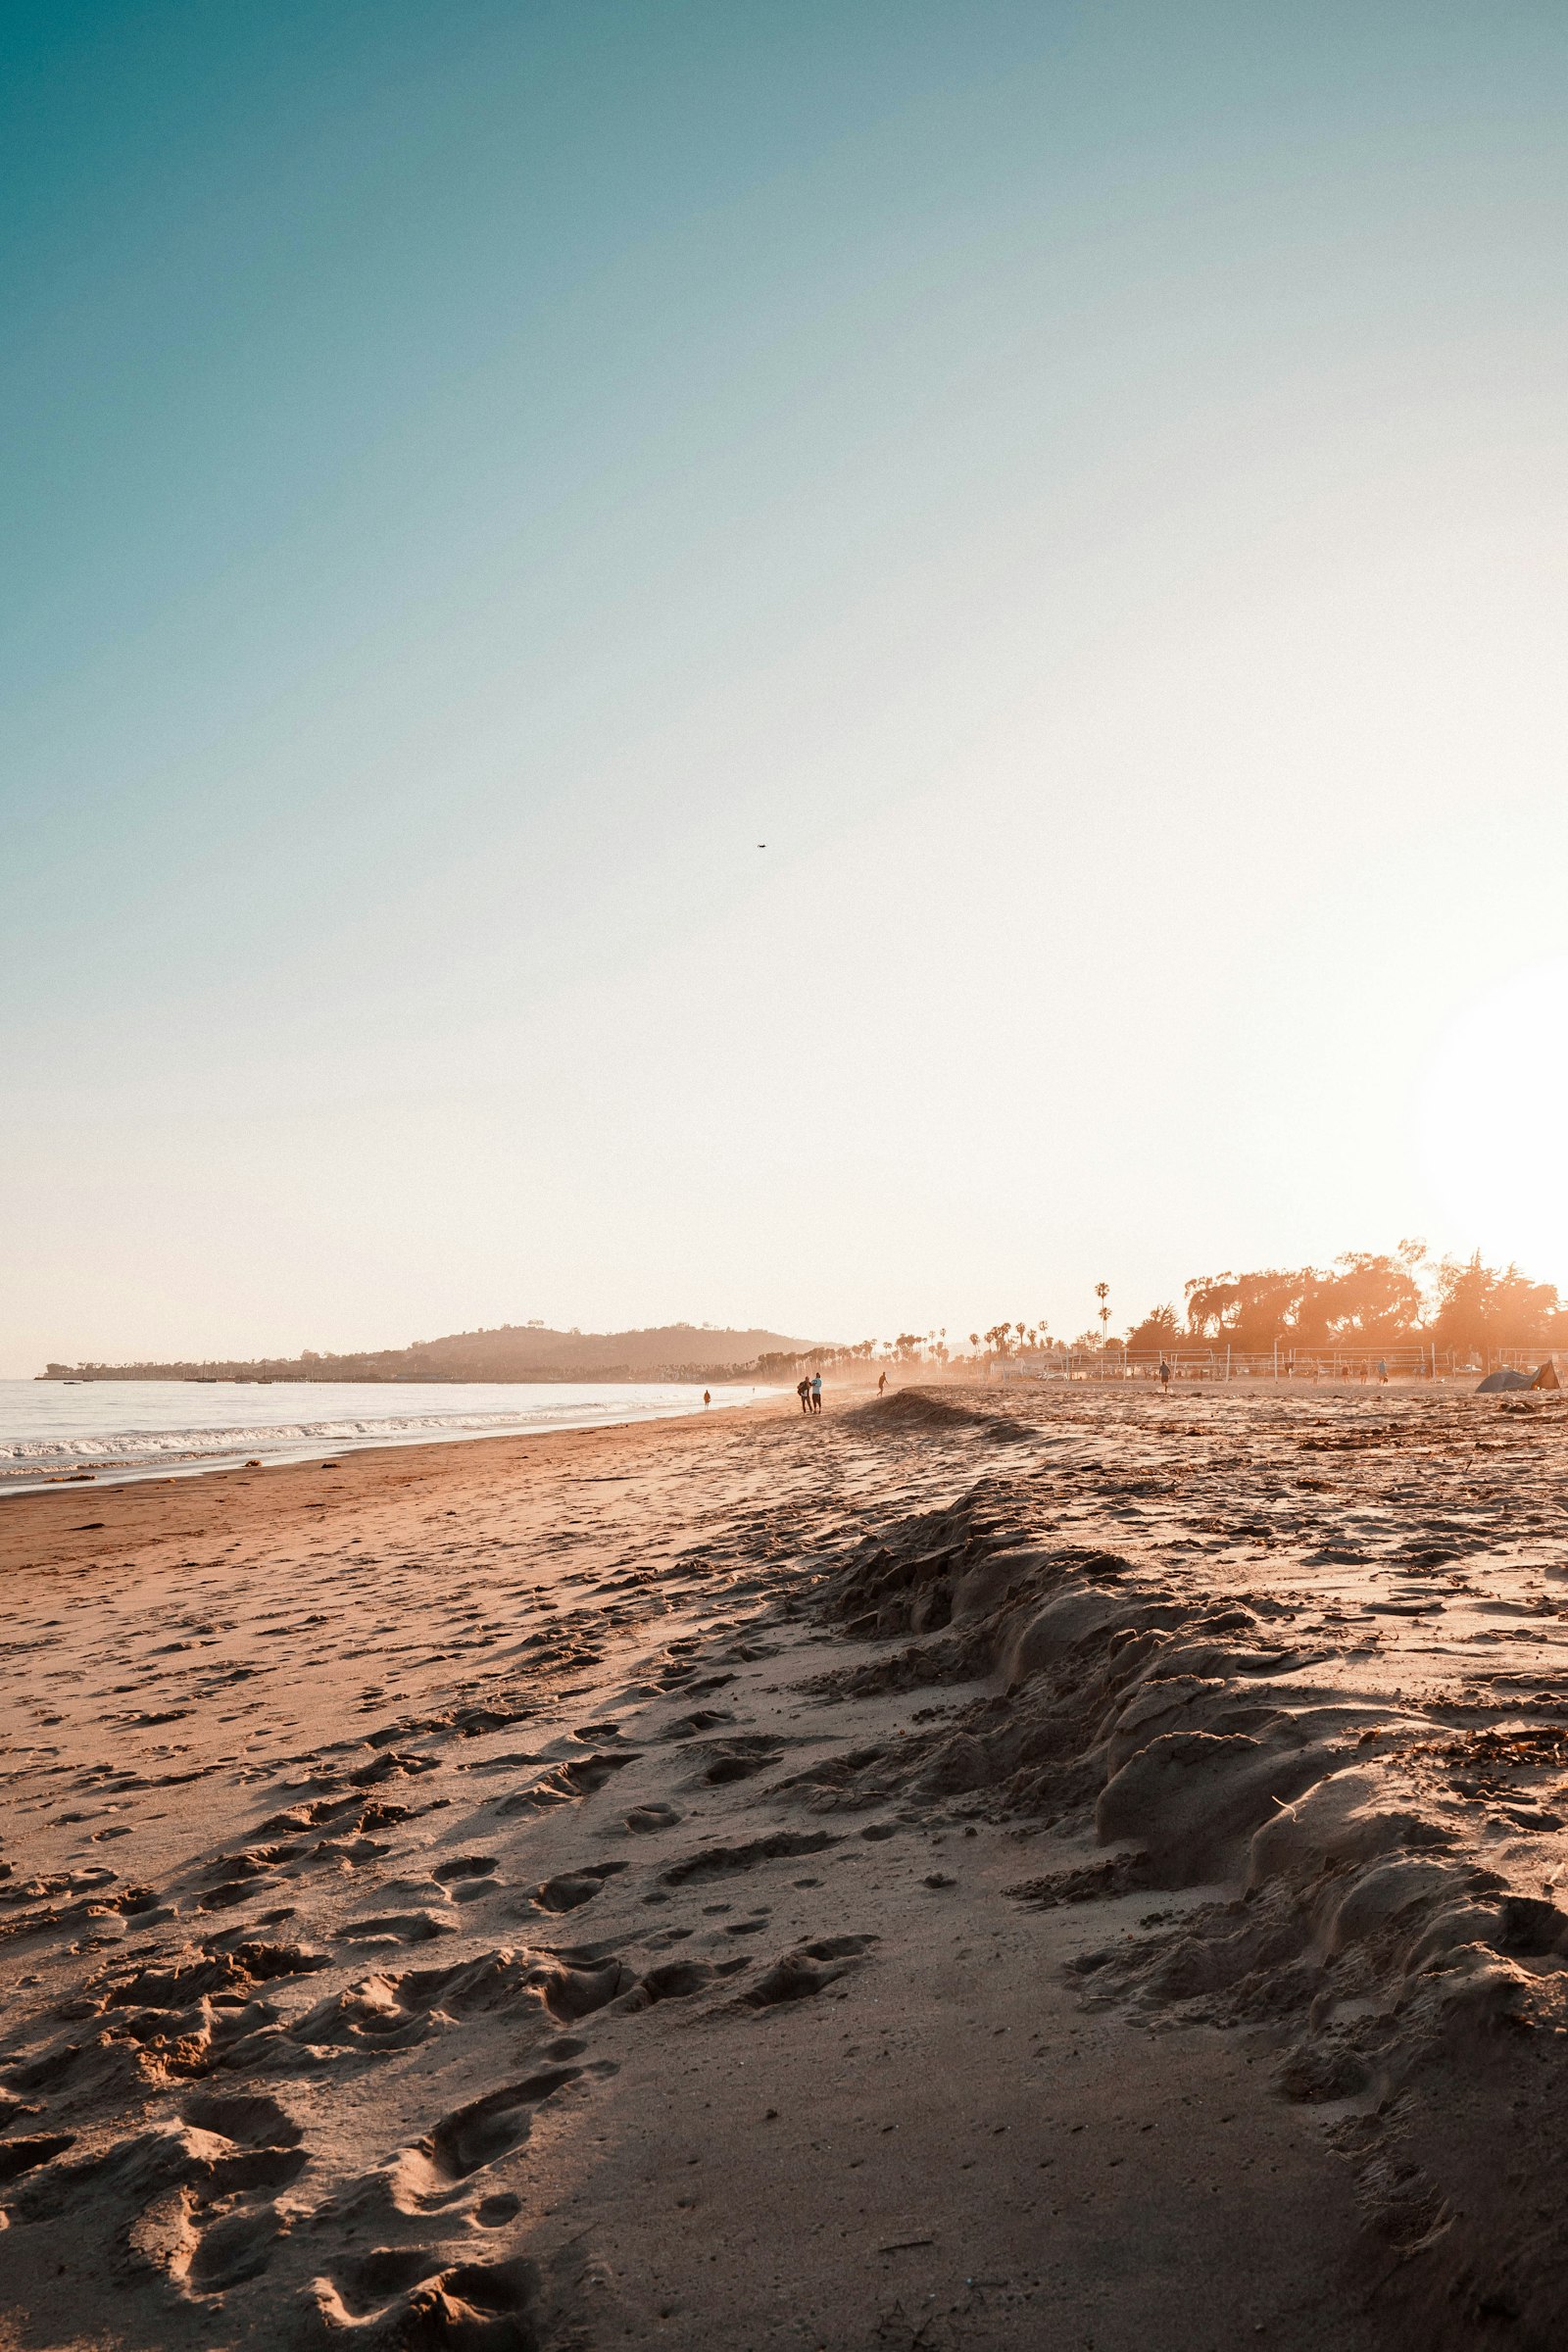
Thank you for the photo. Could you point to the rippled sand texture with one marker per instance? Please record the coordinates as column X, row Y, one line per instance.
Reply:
column 990, row 1868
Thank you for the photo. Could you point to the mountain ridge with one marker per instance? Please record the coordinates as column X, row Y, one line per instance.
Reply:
column 511, row 1351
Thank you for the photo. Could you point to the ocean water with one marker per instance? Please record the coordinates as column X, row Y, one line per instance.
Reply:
column 112, row 1430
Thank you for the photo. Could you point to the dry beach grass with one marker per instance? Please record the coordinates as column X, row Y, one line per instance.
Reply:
column 982, row 1869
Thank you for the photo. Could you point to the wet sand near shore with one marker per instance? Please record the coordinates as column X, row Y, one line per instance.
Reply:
column 987, row 1868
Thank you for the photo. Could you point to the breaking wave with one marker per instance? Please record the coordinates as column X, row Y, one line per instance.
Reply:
column 111, row 1429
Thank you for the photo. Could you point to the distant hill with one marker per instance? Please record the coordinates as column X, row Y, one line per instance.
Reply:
column 514, row 1352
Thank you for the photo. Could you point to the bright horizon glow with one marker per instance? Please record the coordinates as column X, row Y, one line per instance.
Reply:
column 1086, row 487
column 1495, row 1117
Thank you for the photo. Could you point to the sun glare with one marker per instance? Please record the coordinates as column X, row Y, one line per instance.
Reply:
column 1494, row 1119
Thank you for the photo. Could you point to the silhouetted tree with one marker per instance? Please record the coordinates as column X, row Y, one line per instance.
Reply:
column 1374, row 1302
column 1252, row 1311
column 1483, row 1307
column 1158, row 1332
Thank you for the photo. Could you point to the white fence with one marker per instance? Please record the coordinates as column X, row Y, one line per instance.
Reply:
column 1222, row 1364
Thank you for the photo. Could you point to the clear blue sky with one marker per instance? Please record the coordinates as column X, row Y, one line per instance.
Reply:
column 1083, row 486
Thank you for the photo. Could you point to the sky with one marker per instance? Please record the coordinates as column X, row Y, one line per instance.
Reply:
column 1083, row 486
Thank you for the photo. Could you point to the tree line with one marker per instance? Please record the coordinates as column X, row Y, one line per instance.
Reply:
column 1365, row 1300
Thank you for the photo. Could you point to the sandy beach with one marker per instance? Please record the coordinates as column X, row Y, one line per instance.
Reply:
column 988, row 1868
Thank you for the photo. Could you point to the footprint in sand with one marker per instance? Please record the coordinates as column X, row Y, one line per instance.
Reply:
column 396, row 1928
column 804, row 1971
column 476, row 2304
column 643, row 1820
column 674, row 1980
column 570, row 1889
column 720, row 1762
column 488, row 2129
column 701, row 1719
column 494, row 2213
column 467, row 1876
column 725, row 1861
column 568, row 1783
column 252, row 2118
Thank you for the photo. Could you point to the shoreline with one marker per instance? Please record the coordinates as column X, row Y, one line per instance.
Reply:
column 111, row 1474
column 365, row 1476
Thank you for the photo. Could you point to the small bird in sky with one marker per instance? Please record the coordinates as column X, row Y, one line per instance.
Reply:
column 761, row 845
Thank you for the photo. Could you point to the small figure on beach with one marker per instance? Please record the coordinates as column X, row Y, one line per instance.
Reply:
column 802, row 1390
column 1382, row 1373
column 882, row 1385
column 707, row 1398
column 1164, row 1377
column 816, row 1392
